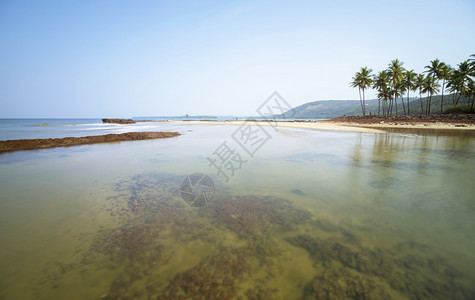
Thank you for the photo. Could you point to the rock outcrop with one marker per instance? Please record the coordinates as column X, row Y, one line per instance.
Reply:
column 119, row 121
column 33, row 144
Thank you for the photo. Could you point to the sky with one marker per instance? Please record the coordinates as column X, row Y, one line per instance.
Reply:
column 72, row 59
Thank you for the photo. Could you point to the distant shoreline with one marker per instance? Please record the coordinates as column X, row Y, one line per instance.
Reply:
column 35, row 144
column 356, row 124
column 439, row 123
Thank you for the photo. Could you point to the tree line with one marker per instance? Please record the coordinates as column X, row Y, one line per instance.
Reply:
column 393, row 84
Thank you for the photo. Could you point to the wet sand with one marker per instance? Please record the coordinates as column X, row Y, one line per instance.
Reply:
column 33, row 144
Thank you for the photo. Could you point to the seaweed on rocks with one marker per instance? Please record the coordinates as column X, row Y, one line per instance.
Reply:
column 152, row 193
column 342, row 284
column 217, row 277
column 251, row 216
column 152, row 221
column 329, row 227
column 160, row 248
column 408, row 275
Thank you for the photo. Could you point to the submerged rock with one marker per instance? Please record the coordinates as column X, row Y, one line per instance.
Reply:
column 342, row 284
column 408, row 275
column 298, row 192
column 238, row 244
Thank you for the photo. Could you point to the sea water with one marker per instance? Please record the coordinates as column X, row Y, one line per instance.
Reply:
column 14, row 129
column 306, row 214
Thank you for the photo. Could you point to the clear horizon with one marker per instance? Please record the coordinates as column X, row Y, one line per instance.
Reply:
column 110, row 59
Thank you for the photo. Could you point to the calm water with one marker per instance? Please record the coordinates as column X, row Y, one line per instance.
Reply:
column 313, row 214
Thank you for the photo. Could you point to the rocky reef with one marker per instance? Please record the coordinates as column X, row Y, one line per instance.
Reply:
column 237, row 246
column 119, row 121
column 34, row 144
column 407, row 275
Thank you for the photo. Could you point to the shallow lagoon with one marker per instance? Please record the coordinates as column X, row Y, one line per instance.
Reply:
column 314, row 214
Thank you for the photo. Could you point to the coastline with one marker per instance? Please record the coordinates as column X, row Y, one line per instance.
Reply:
column 35, row 144
column 352, row 125
column 368, row 124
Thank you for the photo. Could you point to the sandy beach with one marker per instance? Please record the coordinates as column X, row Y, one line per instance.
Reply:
column 376, row 126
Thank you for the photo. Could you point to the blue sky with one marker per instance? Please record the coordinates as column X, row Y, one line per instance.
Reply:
column 154, row 58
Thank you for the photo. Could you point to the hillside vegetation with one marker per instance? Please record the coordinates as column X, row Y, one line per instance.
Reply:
column 327, row 109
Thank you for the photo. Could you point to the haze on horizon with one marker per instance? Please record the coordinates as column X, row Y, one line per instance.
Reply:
column 155, row 58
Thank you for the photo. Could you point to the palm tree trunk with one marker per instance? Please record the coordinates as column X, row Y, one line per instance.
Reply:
column 427, row 104
column 442, row 101
column 420, row 98
column 403, row 106
column 379, row 107
column 473, row 100
column 364, row 105
column 408, row 111
column 395, row 101
column 458, row 99
column 361, row 102
column 430, row 102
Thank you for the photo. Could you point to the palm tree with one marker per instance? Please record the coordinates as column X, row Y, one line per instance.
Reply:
column 472, row 81
column 396, row 92
column 460, row 79
column 356, row 83
column 363, row 80
column 471, row 93
column 444, row 75
column 419, row 84
column 408, row 84
column 431, row 86
column 381, row 84
column 472, row 65
column 452, row 83
column 396, row 73
column 384, row 95
column 439, row 70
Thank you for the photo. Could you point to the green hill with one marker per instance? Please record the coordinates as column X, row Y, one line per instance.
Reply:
column 326, row 109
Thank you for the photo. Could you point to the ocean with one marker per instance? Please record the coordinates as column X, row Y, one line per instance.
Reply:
column 12, row 129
